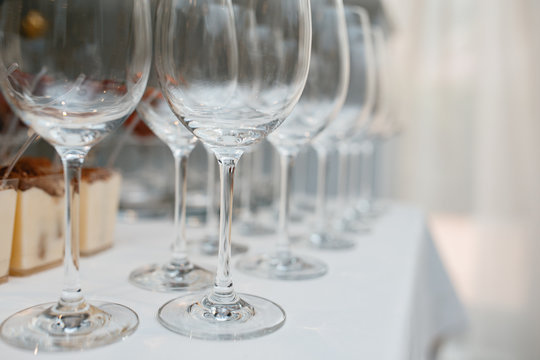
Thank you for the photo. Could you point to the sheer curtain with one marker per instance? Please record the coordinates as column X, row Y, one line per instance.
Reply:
column 467, row 85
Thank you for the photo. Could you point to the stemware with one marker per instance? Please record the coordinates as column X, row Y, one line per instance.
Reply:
column 231, row 89
column 354, row 118
column 179, row 273
column 386, row 128
column 72, row 70
column 364, row 145
column 321, row 100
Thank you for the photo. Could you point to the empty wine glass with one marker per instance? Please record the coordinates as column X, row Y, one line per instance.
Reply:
column 364, row 144
column 231, row 89
column 354, row 118
column 385, row 128
column 321, row 100
column 72, row 70
column 179, row 273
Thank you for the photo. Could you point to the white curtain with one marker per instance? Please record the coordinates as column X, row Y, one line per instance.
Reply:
column 467, row 84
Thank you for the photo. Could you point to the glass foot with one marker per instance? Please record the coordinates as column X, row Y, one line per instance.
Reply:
column 289, row 267
column 324, row 240
column 171, row 278
column 211, row 247
column 43, row 328
column 198, row 317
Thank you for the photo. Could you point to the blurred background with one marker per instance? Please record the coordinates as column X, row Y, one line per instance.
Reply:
column 467, row 90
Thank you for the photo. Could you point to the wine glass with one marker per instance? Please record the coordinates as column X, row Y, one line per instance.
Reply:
column 353, row 119
column 231, row 89
column 364, row 144
column 321, row 100
column 210, row 243
column 72, row 70
column 386, row 127
column 179, row 273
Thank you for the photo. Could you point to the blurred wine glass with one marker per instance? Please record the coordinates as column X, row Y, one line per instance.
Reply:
column 179, row 274
column 321, row 101
column 354, row 119
column 364, row 146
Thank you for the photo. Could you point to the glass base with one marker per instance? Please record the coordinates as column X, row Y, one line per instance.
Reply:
column 274, row 266
column 198, row 317
column 42, row 328
column 327, row 241
column 171, row 278
column 210, row 247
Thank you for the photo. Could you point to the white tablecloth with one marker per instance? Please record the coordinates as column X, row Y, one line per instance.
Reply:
column 389, row 298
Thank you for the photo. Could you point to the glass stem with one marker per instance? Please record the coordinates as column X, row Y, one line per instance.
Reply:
column 72, row 299
column 246, row 179
column 211, row 216
column 320, row 205
column 223, row 292
column 283, row 241
column 366, row 173
column 342, row 189
column 179, row 253
column 375, row 168
column 354, row 176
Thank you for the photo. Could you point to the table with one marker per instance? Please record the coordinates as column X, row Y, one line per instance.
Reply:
column 389, row 298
